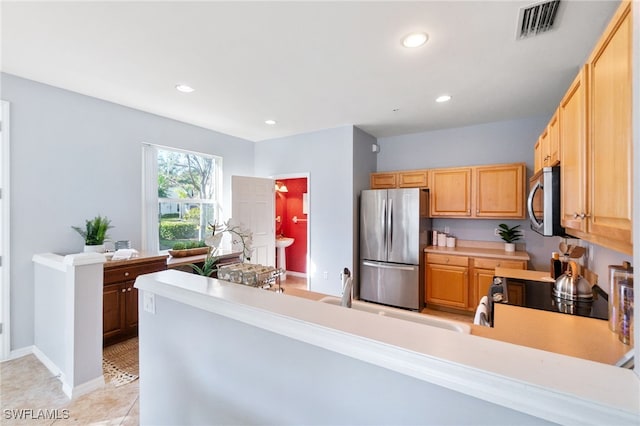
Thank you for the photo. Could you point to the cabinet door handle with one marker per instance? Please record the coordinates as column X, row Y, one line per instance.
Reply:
column 583, row 215
column 126, row 274
column 129, row 289
column 123, row 290
column 576, row 215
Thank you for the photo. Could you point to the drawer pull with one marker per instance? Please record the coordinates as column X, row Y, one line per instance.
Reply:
column 497, row 265
column 126, row 274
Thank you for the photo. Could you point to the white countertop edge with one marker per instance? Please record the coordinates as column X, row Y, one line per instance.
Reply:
column 60, row 263
column 50, row 260
column 582, row 399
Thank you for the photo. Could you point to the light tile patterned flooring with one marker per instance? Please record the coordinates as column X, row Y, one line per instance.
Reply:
column 27, row 384
column 29, row 389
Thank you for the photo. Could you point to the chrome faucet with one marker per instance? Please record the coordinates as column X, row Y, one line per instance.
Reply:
column 347, row 288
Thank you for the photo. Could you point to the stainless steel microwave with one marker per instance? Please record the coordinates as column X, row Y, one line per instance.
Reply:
column 543, row 202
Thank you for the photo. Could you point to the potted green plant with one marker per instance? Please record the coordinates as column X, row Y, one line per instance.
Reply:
column 94, row 233
column 509, row 236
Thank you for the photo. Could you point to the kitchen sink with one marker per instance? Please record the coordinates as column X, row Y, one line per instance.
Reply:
column 401, row 314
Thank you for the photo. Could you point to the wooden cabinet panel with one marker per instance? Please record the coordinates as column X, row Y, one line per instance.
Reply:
column 482, row 276
column 444, row 259
column 482, row 280
column 573, row 181
column 131, row 308
column 500, row 191
column 447, row 285
column 447, row 278
column 610, row 154
column 451, row 192
column 553, row 150
column 492, row 264
column 537, row 156
column 383, row 180
column 120, row 298
column 413, row 179
column 112, row 301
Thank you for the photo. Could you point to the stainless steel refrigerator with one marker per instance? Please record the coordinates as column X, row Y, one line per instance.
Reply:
column 393, row 233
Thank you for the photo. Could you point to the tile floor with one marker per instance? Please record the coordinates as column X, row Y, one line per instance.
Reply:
column 27, row 384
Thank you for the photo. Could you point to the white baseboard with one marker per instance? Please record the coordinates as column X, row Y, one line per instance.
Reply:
column 19, row 353
column 84, row 388
column 68, row 389
column 51, row 366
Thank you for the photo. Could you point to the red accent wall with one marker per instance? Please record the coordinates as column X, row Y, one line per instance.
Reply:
column 288, row 205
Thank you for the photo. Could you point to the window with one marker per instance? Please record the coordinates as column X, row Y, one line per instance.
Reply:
column 182, row 192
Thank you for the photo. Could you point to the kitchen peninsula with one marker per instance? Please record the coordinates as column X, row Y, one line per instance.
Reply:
column 247, row 353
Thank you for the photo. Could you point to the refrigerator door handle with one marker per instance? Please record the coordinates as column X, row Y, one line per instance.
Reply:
column 384, row 223
column 390, row 225
column 387, row 266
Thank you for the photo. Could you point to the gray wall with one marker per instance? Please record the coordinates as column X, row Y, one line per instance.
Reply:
column 241, row 374
column 73, row 157
column 364, row 163
column 490, row 143
column 327, row 156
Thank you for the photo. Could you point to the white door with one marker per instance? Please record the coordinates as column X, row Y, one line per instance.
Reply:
column 253, row 206
column 4, row 230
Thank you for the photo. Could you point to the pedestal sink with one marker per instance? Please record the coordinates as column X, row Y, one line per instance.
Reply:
column 281, row 244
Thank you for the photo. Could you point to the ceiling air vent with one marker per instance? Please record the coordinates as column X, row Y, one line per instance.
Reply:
column 537, row 18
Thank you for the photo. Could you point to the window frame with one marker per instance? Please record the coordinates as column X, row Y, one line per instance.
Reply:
column 151, row 201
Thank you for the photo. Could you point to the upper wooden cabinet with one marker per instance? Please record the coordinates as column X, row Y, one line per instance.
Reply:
column 499, row 191
column 595, row 142
column 403, row 179
column 383, row 180
column 451, row 192
column 573, row 180
column 547, row 148
column 413, row 179
column 610, row 170
column 494, row 191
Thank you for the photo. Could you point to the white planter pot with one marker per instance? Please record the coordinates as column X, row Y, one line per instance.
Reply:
column 509, row 247
column 94, row 249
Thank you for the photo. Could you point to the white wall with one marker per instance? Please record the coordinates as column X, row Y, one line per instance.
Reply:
column 242, row 374
column 326, row 156
column 74, row 157
column 490, row 143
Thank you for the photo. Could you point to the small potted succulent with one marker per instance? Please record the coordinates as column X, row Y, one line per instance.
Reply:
column 94, row 233
column 509, row 236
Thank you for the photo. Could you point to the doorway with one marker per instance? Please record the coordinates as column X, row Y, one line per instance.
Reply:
column 293, row 221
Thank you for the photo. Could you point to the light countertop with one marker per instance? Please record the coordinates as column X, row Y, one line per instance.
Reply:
column 487, row 249
column 565, row 390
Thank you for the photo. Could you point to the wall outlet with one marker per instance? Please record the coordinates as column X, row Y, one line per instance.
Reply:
column 325, row 275
column 496, row 232
column 149, row 302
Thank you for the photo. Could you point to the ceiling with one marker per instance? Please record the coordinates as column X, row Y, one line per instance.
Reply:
column 307, row 65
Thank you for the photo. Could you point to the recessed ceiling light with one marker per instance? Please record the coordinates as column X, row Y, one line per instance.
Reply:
column 443, row 98
column 270, row 122
column 184, row 88
column 415, row 39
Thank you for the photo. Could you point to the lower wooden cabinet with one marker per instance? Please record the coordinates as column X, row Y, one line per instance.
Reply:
column 120, row 297
column 447, row 280
column 458, row 282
